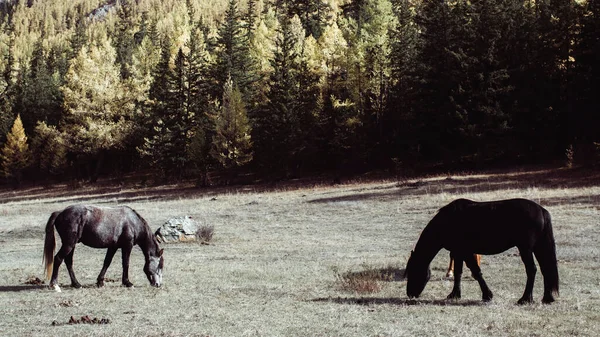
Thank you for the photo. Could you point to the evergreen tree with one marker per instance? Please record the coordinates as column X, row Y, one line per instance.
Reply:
column 15, row 153
column 488, row 85
column 233, row 57
column 42, row 98
column 276, row 125
column 201, row 126
column 78, row 38
column 124, row 37
column 178, row 97
column 399, row 119
column 314, row 14
column 442, row 63
column 159, row 109
column 587, row 72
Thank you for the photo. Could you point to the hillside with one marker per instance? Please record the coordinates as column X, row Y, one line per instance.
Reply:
column 287, row 89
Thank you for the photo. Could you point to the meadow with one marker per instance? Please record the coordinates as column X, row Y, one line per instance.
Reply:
column 283, row 258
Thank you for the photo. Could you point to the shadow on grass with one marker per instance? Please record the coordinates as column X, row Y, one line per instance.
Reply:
column 553, row 178
column 397, row 301
column 111, row 191
column 9, row 289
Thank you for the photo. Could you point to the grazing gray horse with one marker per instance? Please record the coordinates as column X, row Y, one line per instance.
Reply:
column 101, row 227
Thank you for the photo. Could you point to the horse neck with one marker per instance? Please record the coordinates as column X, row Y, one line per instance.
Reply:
column 147, row 243
column 427, row 246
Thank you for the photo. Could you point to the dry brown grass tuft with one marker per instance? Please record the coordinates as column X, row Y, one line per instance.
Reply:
column 205, row 233
column 367, row 281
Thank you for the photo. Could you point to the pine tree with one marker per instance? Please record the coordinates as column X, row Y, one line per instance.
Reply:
column 314, row 14
column 277, row 123
column 232, row 146
column 15, row 152
column 587, row 74
column 440, row 99
column 201, row 126
column 7, row 89
column 233, row 58
column 42, row 98
column 159, row 108
column 399, row 119
column 124, row 38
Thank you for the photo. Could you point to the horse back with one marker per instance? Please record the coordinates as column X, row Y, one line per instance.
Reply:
column 491, row 227
column 99, row 227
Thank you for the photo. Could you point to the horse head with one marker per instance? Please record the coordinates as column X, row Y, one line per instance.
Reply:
column 417, row 275
column 153, row 267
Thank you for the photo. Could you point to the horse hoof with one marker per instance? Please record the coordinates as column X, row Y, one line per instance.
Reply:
column 128, row 284
column 523, row 301
column 547, row 300
column 76, row 285
column 56, row 288
column 100, row 284
column 453, row 296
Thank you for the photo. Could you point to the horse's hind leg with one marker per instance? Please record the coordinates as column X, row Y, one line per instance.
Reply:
column 458, row 268
column 69, row 263
column 531, row 269
column 64, row 250
column 110, row 253
column 450, row 272
column 471, row 261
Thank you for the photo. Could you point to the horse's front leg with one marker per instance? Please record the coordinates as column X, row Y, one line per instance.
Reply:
column 531, row 270
column 69, row 263
column 458, row 268
column 125, row 254
column 471, row 261
column 110, row 253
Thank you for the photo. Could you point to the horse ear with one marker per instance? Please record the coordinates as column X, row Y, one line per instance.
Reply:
column 161, row 252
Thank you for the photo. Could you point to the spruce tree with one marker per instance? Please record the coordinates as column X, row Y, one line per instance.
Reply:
column 314, row 14
column 277, row 124
column 587, row 79
column 42, row 98
column 399, row 119
column 124, row 37
column 233, row 58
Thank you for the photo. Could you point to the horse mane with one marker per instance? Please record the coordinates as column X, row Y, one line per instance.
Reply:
column 151, row 236
column 456, row 205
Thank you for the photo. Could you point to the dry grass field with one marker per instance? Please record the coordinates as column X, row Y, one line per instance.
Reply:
column 285, row 261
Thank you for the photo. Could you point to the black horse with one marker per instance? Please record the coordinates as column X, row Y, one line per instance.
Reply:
column 466, row 227
column 101, row 227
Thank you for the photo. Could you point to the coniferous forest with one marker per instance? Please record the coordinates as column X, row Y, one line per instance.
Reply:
column 284, row 88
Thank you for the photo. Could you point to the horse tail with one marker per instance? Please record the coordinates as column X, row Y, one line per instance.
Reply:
column 49, row 245
column 546, row 255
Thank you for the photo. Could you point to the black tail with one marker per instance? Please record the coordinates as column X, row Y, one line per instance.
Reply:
column 545, row 253
column 49, row 245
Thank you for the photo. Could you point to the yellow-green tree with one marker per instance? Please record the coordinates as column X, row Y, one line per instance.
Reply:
column 232, row 145
column 15, row 153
